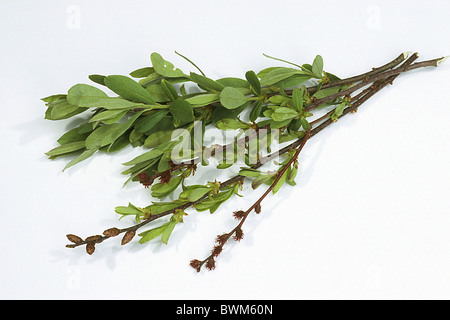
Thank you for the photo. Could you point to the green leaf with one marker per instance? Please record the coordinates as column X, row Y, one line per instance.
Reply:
column 157, row 92
column 305, row 123
column 234, row 82
column 338, row 111
column 62, row 108
column 182, row 111
column 54, row 97
column 97, row 78
column 283, row 113
column 293, row 81
column 168, row 231
column 231, row 124
column 326, row 92
column 248, row 172
column 161, row 190
column 142, row 72
column 280, row 182
column 165, row 68
column 169, row 89
column 151, row 234
column 264, row 178
column 232, row 98
column 130, row 210
column 148, row 122
column 121, row 142
column 203, row 99
column 66, row 148
column 109, row 114
column 128, row 89
column 277, row 74
column 103, row 135
column 125, row 127
column 279, row 99
column 160, row 207
column 297, row 98
column 265, row 71
column 291, row 136
column 221, row 113
column 152, row 154
column 206, row 82
column 194, row 193
column 157, row 138
column 84, row 95
column 213, row 202
column 113, row 104
column 254, row 81
column 317, row 66
column 86, row 154
column 278, row 124
column 256, row 111
column 290, row 179
column 79, row 133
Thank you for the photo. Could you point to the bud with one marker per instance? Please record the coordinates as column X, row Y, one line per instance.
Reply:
column 258, row 208
column 112, row 232
column 90, row 248
column 129, row 235
column 73, row 238
column 93, row 238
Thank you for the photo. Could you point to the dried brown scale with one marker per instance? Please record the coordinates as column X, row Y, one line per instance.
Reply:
column 111, row 232
column 90, row 248
column 73, row 238
column 129, row 235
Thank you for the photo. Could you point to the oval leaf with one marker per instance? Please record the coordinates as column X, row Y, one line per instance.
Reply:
column 232, row 98
column 84, row 95
column 128, row 89
column 165, row 68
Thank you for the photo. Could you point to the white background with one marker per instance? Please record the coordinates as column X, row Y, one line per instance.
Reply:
column 369, row 218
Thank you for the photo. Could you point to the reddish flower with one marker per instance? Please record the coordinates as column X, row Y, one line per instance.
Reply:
column 144, row 179
column 239, row 214
column 210, row 264
column 165, row 176
column 238, row 234
column 222, row 238
column 217, row 250
column 196, row 264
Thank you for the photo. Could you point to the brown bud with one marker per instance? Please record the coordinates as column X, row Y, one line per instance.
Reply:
column 111, row 232
column 73, row 238
column 90, row 248
column 258, row 208
column 93, row 238
column 129, row 235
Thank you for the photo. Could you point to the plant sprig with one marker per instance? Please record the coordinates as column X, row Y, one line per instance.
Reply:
column 157, row 113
